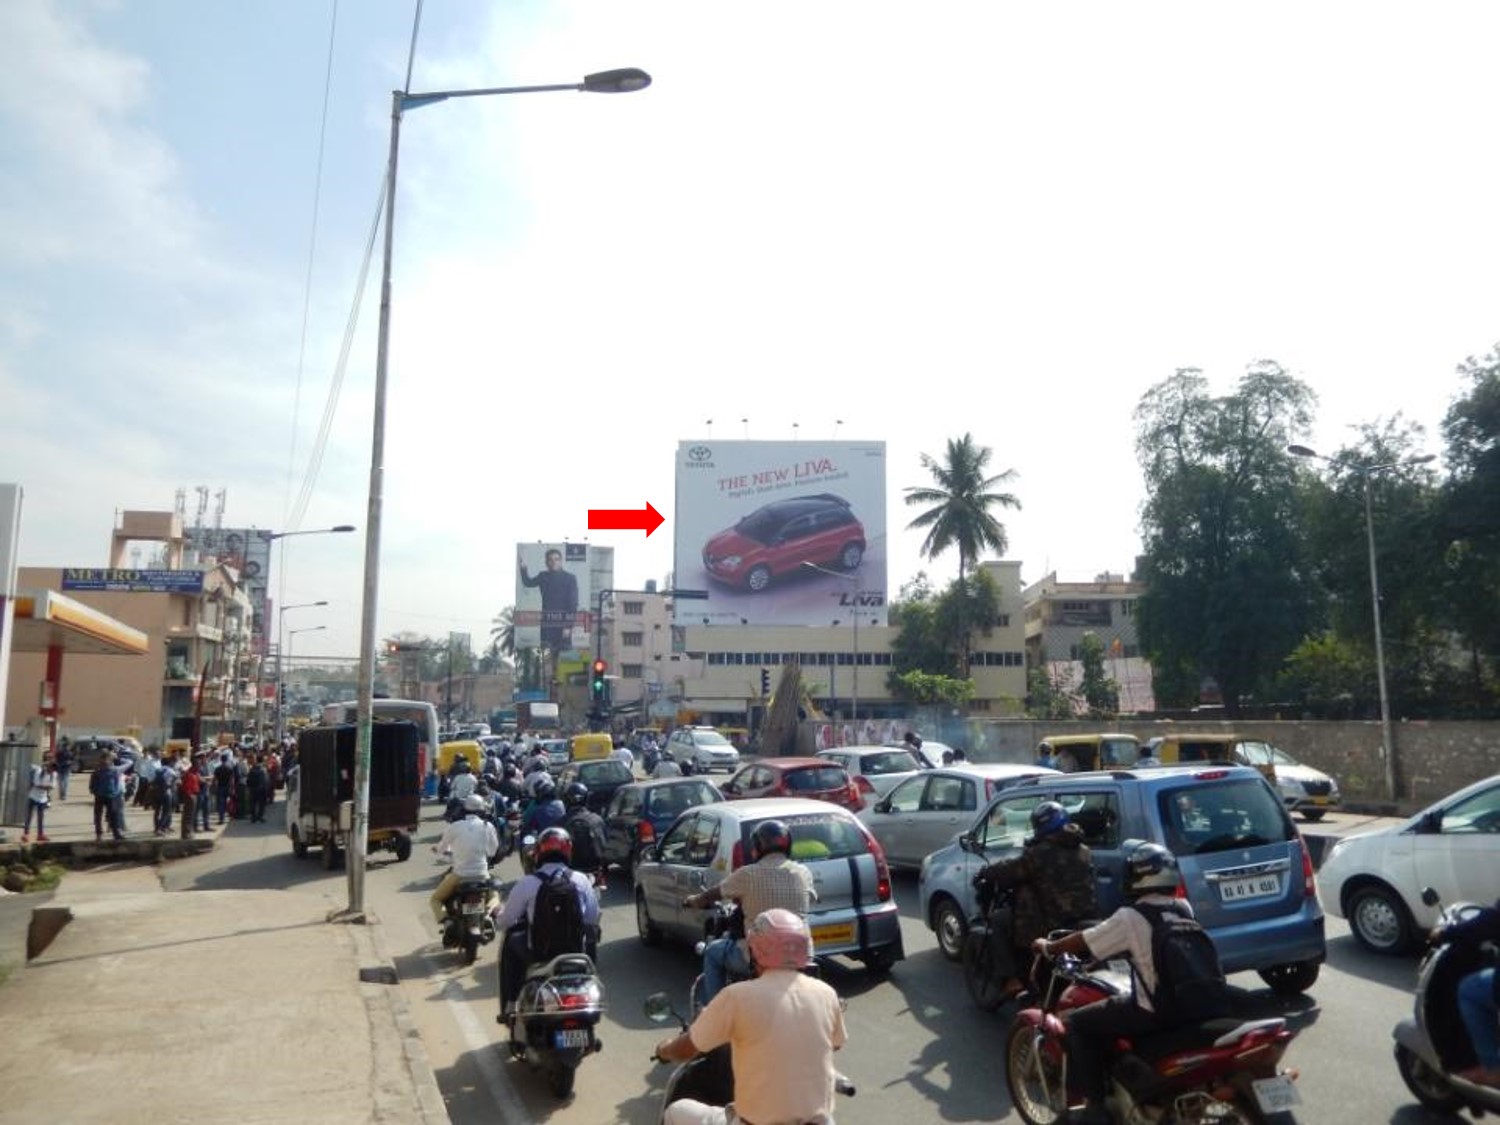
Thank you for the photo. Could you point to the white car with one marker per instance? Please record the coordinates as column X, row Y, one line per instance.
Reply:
column 705, row 747
column 1302, row 788
column 1375, row 879
column 876, row 769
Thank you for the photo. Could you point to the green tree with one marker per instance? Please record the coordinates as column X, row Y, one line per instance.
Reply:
column 1048, row 697
column 1228, row 595
column 925, row 687
column 1100, row 692
column 932, row 630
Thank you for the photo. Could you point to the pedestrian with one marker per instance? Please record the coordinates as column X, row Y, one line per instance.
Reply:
column 166, row 793
column 38, row 797
column 205, row 791
column 145, row 772
column 62, row 761
column 108, row 789
column 190, row 788
column 241, row 794
column 223, row 786
column 257, row 781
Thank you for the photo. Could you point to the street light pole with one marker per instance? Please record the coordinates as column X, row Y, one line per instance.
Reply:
column 281, row 662
column 606, row 82
column 339, row 529
column 1387, row 743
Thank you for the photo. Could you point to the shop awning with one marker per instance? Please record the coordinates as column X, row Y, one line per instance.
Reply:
column 45, row 618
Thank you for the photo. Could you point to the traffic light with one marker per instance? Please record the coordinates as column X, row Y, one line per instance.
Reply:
column 598, row 683
column 765, row 681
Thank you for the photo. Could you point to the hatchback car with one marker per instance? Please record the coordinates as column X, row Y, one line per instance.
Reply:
column 876, row 769
column 816, row 778
column 641, row 812
column 88, row 752
column 775, row 540
column 1243, row 865
column 1375, row 879
column 855, row 914
column 704, row 747
column 925, row 811
column 601, row 779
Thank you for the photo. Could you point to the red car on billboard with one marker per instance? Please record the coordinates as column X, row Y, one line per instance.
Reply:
column 776, row 539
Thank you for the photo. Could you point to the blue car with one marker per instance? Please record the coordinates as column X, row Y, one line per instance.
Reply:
column 1244, row 867
column 639, row 814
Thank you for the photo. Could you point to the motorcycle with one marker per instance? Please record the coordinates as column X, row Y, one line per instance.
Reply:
column 984, row 979
column 556, row 1017
column 1223, row 1071
column 724, row 919
column 708, row 1078
column 467, row 919
column 1434, row 1045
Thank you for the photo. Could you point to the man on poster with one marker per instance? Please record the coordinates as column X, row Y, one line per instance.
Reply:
column 559, row 600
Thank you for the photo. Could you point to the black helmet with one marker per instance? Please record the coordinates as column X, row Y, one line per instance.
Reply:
column 770, row 836
column 554, row 845
column 1150, row 867
column 544, row 789
column 1047, row 818
column 576, row 795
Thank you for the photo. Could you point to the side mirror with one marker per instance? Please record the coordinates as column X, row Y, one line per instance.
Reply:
column 1430, row 897
column 658, row 1007
column 967, row 842
column 883, row 805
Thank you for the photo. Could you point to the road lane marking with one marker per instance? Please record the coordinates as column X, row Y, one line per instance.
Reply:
column 485, row 1050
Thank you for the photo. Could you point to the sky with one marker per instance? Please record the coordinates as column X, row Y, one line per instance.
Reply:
column 871, row 221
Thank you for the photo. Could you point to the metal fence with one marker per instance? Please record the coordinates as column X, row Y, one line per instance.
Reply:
column 16, row 759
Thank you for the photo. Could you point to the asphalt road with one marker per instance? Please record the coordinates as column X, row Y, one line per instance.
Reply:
column 918, row 1049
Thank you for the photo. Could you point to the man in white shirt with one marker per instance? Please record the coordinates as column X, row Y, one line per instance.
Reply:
column 463, row 784
column 470, row 842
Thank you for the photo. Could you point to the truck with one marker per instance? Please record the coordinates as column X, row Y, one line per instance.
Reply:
column 538, row 717
column 320, row 790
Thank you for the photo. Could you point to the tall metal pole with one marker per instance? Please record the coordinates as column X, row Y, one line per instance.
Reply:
column 365, row 696
column 1387, row 746
column 854, row 694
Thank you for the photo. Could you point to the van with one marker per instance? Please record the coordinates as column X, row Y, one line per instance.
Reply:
column 1075, row 752
column 592, row 747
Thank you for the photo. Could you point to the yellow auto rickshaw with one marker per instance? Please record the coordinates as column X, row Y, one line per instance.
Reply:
column 592, row 747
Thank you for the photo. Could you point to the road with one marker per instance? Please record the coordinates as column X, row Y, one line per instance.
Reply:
column 918, row 1049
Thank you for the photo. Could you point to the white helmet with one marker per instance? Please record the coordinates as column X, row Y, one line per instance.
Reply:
column 473, row 803
column 1151, row 867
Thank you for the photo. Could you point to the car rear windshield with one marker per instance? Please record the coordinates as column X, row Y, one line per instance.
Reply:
column 597, row 773
column 817, row 837
column 816, row 779
column 891, row 761
column 1217, row 816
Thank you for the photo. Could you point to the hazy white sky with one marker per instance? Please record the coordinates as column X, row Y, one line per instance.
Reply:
column 877, row 220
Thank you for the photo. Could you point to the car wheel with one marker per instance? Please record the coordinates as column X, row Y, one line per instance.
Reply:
column 330, row 855
column 403, row 848
column 851, row 556
column 1431, row 1088
column 758, row 578
column 650, row 932
column 1291, row 979
column 951, row 927
column 1379, row 919
column 299, row 845
column 1312, row 816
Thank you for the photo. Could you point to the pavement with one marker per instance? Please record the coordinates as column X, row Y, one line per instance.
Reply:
column 140, row 1004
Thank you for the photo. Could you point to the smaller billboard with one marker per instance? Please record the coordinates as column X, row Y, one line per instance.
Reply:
column 553, row 592
column 130, row 581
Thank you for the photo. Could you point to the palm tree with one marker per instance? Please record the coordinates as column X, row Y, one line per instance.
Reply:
column 961, row 500
column 503, row 630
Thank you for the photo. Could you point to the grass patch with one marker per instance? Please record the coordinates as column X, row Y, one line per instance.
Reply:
column 47, row 877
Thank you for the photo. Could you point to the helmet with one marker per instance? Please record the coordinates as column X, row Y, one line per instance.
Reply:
column 554, row 845
column 473, row 803
column 770, row 836
column 779, row 939
column 1150, row 867
column 510, row 772
column 1047, row 818
column 576, row 795
column 544, row 788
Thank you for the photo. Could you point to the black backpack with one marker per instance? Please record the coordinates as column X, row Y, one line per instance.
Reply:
column 1190, row 985
column 557, row 918
column 588, row 840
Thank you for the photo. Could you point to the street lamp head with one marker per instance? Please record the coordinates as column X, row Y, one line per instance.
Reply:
column 342, row 527
column 625, row 81
column 1426, row 458
column 1302, row 451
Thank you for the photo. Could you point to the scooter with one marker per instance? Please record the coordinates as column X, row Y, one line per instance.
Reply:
column 1434, row 1045
column 467, row 919
column 1224, row 1071
column 707, row 1078
column 557, row 1014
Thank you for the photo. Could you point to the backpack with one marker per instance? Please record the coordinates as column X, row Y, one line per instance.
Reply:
column 587, row 840
column 1190, row 985
column 105, row 783
column 557, row 918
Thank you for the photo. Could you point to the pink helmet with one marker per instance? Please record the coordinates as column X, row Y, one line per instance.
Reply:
column 779, row 939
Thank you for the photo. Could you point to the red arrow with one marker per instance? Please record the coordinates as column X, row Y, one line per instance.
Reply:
column 625, row 519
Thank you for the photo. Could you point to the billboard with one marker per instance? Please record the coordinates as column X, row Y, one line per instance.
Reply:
column 781, row 532
column 554, row 597
column 248, row 551
column 131, row 581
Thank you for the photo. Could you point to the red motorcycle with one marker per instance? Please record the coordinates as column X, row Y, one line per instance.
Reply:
column 1221, row 1071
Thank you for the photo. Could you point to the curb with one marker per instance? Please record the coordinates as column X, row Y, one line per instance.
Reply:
column 430, row 1104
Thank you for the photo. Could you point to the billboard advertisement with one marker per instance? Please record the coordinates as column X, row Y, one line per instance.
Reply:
column 248, row 551
column 781, row 532
column 554, row 593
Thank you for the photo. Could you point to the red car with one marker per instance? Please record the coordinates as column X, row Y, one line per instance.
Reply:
column 817, row 778
column 775, row 540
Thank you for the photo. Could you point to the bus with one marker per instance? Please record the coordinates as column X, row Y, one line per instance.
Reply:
column 424, row 715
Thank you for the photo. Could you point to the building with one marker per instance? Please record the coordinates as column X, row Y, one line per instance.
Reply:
column 199, row 658
column 1060, row 614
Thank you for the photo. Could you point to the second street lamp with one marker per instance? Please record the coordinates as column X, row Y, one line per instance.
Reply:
column 281, row 663
column 1387, row 743
column 623, row 81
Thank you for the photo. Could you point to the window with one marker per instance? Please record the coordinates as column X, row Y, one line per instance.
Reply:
column 632, row 640
column 1478, row 813
column 1008, row 823
column 907, row 797
column 633, row 609
column 631, row 671
column 1097, row 814
column 946, row 794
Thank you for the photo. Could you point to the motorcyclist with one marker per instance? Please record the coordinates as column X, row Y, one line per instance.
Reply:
column 771, row 879
column 554, row 852
column 783, row 1026
column 587, row 829
column 509, row 787
column 1478, row 995
column 464, row 779
column 470, row 841
column 545, row 809
column 1053, row 879
column 1151, row 878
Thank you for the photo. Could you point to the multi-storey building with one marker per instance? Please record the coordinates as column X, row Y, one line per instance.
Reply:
column 1060, row 614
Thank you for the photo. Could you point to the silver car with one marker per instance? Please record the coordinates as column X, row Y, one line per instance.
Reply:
column 876, row 769
column 855, row 914
column 925, row 810
column 704, row 747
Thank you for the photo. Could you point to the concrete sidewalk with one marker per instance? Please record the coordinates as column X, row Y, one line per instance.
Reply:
column 158, row 1007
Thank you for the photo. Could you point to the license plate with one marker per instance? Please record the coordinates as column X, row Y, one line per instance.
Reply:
column 842, row 934
column 1256, row 886
column 473, row 908
column 571, row 1037
column 1319, row 800
column 1276, row 1095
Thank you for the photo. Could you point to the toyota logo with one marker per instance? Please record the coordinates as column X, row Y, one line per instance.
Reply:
column 699, row 453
